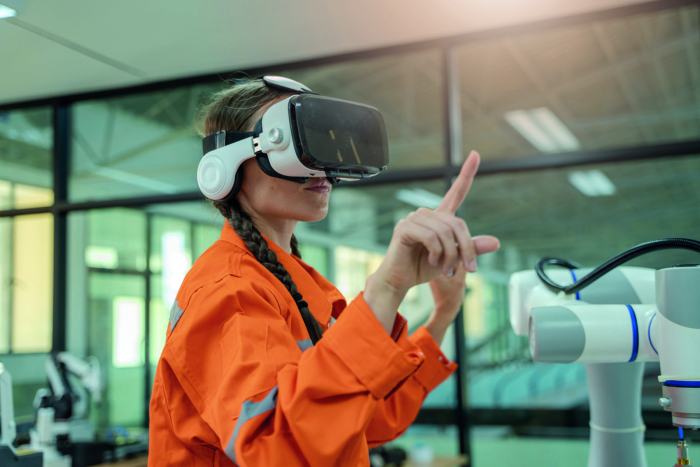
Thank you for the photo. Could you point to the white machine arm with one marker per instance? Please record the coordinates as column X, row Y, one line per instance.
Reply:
column 87, row 370
column 7, row 413
column 629, row 315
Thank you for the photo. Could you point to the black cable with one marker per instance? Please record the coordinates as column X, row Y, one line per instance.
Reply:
column 612, row 263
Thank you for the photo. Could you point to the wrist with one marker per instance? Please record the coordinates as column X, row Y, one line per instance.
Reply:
column 383, row 299
column 437, row 328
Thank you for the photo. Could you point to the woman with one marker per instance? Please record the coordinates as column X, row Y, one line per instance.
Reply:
column 254, row 375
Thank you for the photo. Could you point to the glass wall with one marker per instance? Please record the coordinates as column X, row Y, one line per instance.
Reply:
column 26, row 251
column 26, row 145
column 614, row 83
column 136, row 145
column 408, row 91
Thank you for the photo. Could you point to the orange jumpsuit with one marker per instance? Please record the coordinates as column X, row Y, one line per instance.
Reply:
column 238, row 382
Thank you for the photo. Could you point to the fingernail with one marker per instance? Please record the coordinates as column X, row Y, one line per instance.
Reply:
column 473, row 266
column 450, row 272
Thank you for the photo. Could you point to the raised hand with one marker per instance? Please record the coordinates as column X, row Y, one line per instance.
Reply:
column 425, row 245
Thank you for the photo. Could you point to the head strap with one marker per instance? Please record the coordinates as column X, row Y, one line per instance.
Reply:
column 224, row 138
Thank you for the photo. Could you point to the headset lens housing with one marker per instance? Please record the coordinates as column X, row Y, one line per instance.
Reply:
column 337, row 134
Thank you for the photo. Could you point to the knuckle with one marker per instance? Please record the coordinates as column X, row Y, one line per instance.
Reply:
column 443, row 229
column 423, row 210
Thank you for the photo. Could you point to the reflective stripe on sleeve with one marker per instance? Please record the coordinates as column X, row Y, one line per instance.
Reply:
column 175, row 315
column 305, row 344
column 249, row 410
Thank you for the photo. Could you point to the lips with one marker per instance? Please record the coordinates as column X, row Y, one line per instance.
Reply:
column 319, row 185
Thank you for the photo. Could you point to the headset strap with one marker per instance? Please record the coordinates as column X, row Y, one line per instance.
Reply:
column 224, row 138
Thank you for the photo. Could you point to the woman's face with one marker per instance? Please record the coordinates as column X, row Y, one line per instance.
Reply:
column 275, row 198
column 278, row 199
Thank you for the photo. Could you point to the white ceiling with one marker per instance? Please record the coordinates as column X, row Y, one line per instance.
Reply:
column 73, row 46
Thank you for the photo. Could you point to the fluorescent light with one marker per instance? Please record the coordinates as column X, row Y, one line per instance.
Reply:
column 10, row 8
column 419, row 197
column 526, row 126
column 554, row 127
column 541, row 128
column 101, row 257
column 176, row 264
column 592, row 183
column 7, row 12
column 127, row 332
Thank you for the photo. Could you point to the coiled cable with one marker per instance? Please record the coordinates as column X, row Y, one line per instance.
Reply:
column 612, row 263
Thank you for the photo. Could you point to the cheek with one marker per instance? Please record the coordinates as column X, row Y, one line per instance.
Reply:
column 280, row 198
column 289, row 200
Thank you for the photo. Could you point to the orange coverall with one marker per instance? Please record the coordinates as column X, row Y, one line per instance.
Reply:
column 238, row 382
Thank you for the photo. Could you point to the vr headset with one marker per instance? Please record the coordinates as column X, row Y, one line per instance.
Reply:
column 305, row 135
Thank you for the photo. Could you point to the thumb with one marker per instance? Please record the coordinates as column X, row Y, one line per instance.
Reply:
column 485, row 244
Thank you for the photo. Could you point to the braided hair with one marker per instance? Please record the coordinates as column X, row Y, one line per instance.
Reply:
column 236, row 108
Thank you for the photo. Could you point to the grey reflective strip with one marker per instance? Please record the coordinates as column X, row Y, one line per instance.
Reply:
column 175, row 315
column 305, row 344
column 249, row 410
column 612, row 288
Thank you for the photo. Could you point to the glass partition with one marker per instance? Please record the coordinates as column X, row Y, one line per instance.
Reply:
column 26, row 145
column 606, row 84
column 136, row 145
column 26, row 283
column 408, row 91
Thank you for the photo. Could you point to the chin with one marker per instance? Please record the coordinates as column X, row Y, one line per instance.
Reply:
column 312, row 215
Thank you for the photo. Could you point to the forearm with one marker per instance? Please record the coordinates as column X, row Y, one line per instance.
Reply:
column 437, row 325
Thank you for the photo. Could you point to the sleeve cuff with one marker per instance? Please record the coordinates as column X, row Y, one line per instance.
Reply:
column 436, row 367
column 373, row 356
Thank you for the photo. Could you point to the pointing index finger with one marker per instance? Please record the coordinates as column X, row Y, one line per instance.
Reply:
column 458, row 191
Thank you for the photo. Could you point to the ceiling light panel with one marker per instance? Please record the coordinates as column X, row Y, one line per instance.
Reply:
column 10, row 8
column 7, row 12
column 419, row 197
column 592, row 183
column 543, row 129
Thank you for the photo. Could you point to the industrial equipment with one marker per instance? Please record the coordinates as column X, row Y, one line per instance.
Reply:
column 613, row 319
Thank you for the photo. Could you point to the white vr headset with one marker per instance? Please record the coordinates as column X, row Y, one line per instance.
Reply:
column 303, row 136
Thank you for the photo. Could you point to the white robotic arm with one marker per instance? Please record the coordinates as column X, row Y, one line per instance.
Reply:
column 628, row 315
column 70, row 400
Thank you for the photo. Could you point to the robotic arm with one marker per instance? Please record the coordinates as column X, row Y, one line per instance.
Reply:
column 69, row 400
column 627, row 315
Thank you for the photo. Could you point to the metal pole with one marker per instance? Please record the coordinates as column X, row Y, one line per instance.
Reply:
column 147, row 312
column 454, row 157
column 61, row 160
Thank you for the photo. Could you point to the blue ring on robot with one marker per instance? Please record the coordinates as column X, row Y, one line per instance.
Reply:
column 635, row 334
column 682, row 384
column 578, row 295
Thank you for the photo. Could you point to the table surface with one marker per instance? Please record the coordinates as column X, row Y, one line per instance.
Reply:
column 456, row 461
column 438, row 462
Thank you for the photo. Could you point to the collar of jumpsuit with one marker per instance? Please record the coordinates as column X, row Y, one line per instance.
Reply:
column 323, row 298
column 238, row 383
